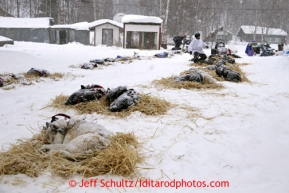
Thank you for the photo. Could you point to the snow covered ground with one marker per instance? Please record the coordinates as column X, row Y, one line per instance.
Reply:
column 238, row 134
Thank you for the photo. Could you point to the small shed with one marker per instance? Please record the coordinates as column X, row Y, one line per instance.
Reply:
column 63, row 34
column 142, row 32
column 106, row 32
column 26, row 29
column 271, row 35
column 224, row 35
column 42, row 30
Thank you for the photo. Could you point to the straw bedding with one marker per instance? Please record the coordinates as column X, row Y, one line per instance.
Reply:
column 147, row 104
column 24, row 157
column 53, row 76
column 171, row 83
column 29, row 79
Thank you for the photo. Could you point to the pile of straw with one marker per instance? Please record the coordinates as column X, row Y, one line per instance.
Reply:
column 25, row 157
column 30, row 78
column 170, row 83
column 147, row 105
column 35, row 76
column 11, row 80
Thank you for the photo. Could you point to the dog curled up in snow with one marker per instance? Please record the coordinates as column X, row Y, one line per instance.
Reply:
column 75, row 136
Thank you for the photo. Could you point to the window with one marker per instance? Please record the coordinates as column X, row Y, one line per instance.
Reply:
column 220, row 37
column 141, row 40
column 274, row 40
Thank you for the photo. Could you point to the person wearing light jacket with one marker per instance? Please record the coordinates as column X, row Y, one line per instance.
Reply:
column 196, row 49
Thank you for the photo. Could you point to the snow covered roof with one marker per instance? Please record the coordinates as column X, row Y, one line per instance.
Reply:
column 11, row 22
column 273, row 31
column 2, row 38
column 76, row 26
column 87, row 26
column 103, row 21
column 141, row 19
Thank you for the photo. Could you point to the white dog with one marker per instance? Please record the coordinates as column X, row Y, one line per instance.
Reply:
column 75, row 137
column 207, row 78
column 136, row 55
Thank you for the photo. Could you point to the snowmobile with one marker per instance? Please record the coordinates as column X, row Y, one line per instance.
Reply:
column 267, row 50
column 220, row 48
column 219, row 44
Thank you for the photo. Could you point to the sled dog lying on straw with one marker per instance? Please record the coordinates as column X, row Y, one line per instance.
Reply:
column 75, row 136
column 196, row 75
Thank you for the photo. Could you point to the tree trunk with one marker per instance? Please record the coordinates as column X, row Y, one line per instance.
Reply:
column 94, row 10
column 179, row 19
column 68, row 12
column 54, row 7
column 50, row 9
column 160, row 8
column 59, row 11
column 255, row 29
column 30, row 11
column 184, row 19
column 166, row 22
column 18, row 8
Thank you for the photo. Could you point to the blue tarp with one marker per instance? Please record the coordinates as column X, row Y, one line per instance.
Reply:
column 249, row 51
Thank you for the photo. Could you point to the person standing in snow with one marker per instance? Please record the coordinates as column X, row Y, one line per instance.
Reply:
column 196, row 49
column 178, row 41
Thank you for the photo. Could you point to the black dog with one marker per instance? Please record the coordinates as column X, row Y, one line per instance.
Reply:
column 193, row 76
column 228, row 74
column 124, row 98
column 85, row 94
column 231, row 75
column 112, row 94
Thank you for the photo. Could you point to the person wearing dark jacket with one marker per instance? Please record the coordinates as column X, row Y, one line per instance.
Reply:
column 179, row 40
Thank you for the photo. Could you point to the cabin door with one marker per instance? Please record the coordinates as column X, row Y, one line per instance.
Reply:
column 61, row 37
column 107, row 37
